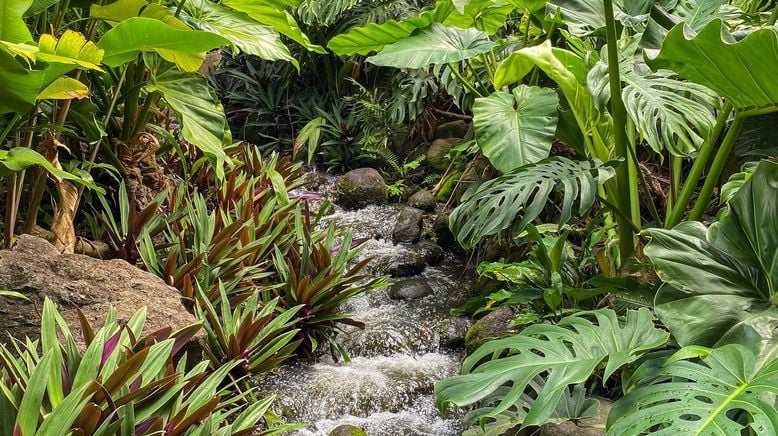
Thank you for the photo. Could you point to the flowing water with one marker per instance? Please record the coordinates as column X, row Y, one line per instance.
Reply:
column 405, row 348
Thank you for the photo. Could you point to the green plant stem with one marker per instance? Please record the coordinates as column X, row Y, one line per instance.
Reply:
column 462, row 80
column 682, row 202
column 619, row 114
column 9, row 127
column 712, row 180
column 773, row 16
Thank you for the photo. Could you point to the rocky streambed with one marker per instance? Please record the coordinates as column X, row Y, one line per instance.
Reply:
column 411, row 339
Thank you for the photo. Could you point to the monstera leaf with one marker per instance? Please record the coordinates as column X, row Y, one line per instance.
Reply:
column 185, row 48
column 434, row 45
column 495, row 205
column 739, row 71
column 568, row 353
column 726, row 393
column 515, row 129
column 720, row 283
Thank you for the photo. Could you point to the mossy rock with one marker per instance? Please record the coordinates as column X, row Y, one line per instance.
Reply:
column 453, row 129
column 361, row 187
column 437, row 154
column 489, row 327
column 347, row 430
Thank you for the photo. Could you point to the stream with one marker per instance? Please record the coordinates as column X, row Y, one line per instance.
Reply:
column 407, row 345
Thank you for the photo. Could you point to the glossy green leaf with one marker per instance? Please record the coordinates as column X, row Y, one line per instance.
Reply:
column 585, row 17
column 64, row 88
column 20, row 85
column 739, row 71
column 486, row 15
column 726, row 393
column 12, row 26
column 727, row 272
column 185, row 48
column 29, row 408
column 201, row 115
column 567, row 353
column 117, row 11
column 21, row 158
column 273, row 14
column 515, row 129
column 374, row 37
column 497, row 204
column 434, row 45
column 245, row 34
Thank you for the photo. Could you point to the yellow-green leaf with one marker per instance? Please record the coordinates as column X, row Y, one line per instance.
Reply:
column 64, row 88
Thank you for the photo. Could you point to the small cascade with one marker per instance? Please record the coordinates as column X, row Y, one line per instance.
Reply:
column 407, row 345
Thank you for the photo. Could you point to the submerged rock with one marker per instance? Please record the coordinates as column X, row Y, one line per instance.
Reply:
column 424, row 200
column 432, row 253
column 361, row 187
column 347, row 430
column 408, row 225
column 405, row 263
column 37, row 270
column 489, row 327
column 410, row 289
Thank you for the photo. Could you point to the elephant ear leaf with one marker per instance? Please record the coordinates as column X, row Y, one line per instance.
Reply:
column 726, row 393
column 202, row 118
column 727, row 272
column 738, row 71
column 185, row 48
column 565, row 354
column 434, row 45
column 516, row 129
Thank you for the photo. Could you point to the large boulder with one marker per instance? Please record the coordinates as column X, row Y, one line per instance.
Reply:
column 37, row 270
column 437, row 154
column 407, row 228
column 432, row 253
column 424, row 200
column 491, row 326
column 361, row 187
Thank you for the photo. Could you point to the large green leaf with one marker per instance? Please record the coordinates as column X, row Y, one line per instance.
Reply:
column 727, row 393
column 486, row 15
column 434, row 45
column 185, row 48
column 273, row 14
column 12, row 27
column 584, row 17
column 727, row 273
column 21, row 158
column 515, row 129
column 244, row 33
column 668, row 113
column 496, row 205
column 20, row 86
column 742, row 71
column 67, row 53
column 567, row 353
column 374, row 37
column 201, row 115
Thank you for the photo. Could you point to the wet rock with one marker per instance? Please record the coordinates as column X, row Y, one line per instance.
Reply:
column 584, row 427
column 37, row 270
column 410, row 289
column 454, row 129
column 405, row 263
column 423, row 200
column 361, row 187
column 432, row 253
column 437, row 154
column 408, row 225
column 452, row 331
column 347, row 430
column 489, row 327
column 443, row 234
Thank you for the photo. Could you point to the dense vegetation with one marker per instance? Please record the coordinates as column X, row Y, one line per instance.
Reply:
column 617, row 153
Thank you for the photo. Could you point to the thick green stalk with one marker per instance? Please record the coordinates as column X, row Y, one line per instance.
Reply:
column 712, row 180
column 700, row 163
column 619, row 114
